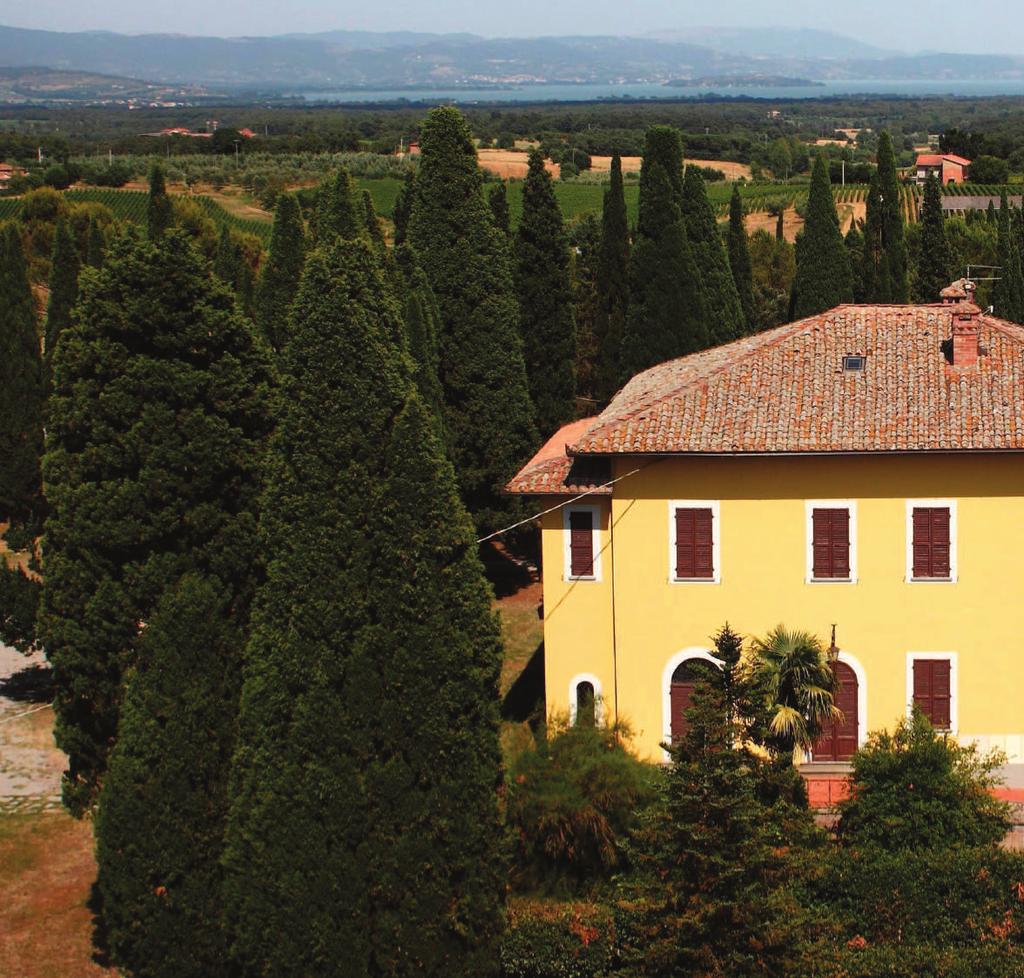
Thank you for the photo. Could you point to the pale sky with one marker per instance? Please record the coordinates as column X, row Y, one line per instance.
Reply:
column 984, row 26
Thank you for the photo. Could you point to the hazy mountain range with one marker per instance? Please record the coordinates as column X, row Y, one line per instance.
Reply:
column 354, row 59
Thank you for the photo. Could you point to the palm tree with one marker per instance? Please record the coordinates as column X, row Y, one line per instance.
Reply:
column 793, row 672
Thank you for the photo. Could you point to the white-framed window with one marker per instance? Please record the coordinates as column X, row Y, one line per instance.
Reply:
column 831, row 533
column 585, row 695
column 694, row 548
column 931, row 541
column 582, row 550
column 932, row 685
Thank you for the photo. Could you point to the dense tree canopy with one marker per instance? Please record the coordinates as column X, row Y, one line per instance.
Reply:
column 934, row 271
column 612, row 283
column 281, row 272
column 885, row 275
column 739, row 259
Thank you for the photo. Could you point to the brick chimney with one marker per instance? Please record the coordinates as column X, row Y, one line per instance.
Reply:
column 965, row 334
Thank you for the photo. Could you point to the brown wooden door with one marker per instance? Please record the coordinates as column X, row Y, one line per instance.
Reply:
column 683, row 683
column 839, row 740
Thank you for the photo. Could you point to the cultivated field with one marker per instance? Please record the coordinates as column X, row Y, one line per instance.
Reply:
column 510, row 164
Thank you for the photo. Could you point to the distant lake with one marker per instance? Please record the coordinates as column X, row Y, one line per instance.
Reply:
column 586, row 93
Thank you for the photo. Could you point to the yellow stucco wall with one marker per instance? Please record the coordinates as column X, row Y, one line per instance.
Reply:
column 763, row 566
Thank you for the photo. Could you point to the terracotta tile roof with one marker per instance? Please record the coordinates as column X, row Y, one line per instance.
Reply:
column 785, row 390
column 552, row 472
column 929, row 159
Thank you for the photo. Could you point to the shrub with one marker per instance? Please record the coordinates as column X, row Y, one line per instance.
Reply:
column 557, row 940
column 917, row 789
column 57, row 176
column 989, row 169
column 572, row 798
column 917, row 960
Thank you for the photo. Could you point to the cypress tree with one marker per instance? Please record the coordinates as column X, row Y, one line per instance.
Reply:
column 64, row 267
column 433, row 779
column 666, row 309
column 1008, row 294
column 612, row 282
column 739, row 258
column 824, row 278
column 96, row 245
column 373, row 226
column 281, row 272
column 663, row 146
column 885, row 275
column 336, row 210
column 780, row 225
column 403, row 207
column 934, row 264
column 854, row 244
column 162, row 810
column 544, row 291
column 722, row 307
column 299, row 871
column 422, row 324
column 155, row 424
column 497, row 197
column 225, row 258
column 22, row 391
column 160, row 214
column 488, row 413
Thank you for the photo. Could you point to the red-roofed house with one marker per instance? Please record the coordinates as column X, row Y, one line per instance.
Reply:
column 947, row 167
column 861, row 469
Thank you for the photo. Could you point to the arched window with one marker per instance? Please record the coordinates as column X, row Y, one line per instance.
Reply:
column 586, row 704
column 684, row 681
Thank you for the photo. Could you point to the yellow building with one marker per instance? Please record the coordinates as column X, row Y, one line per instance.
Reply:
column 861, row 470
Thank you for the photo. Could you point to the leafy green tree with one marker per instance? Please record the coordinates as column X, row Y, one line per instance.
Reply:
column 885, row 275
column 739, row 259
column 299, row 868
column 497, row 197
column 916, row 789
column 160, row 213
column 1008, row 294
column 666, row 316
column 403, row 207
column 934, row 271
column 336, row 210
column 544, row 291
column 434, row 653
column 824, row 277
column 722, row 307
column 488, row 413
column 162, row 810
column 64, row 267
column 612, row 283
column 96, row 244
column 798, row 687
column 281, row 272
column 159, row 409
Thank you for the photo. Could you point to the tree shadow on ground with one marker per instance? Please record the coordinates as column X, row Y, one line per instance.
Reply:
column 524, row 702
column 33, row 684
column 509, row 568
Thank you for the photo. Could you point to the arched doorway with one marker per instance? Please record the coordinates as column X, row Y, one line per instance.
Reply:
column 684, row 680
column 839, row 740
column 586, row 704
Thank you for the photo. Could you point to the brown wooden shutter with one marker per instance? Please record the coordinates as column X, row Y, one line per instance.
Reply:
column 831, row 543
column 581, row 543
column 838, row 741
column 933, row 690
column 931, row 542
column 694, row 543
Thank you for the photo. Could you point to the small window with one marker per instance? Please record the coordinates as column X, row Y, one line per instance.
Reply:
column 694, row 543
column 586, row 704
column 931, row 546
column 852, row 363
column 831, row 540
column 582, row 559
column 933, row 690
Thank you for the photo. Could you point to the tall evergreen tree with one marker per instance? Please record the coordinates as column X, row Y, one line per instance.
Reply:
column 336, row 210
column 544, row 291
column 488, row 413
column 281, row 272
column 422, row 325
column 666, row 316
column 497, row 197
column 722, row 307
column 612, row 283
column 155, row 426
column 298, row 863
column 885, row 274
column 780, row 225
column 934, row 271
column 824, row 278
column 95, row 245
column 663, row 146
column 373, row 226
column 433, row 779
column 64, row 267
column 159, row 214
column 226, row 258
column 1008, row 294
column 403, row 207
column 739, row 258
column 22, row 391
column 162, row 810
